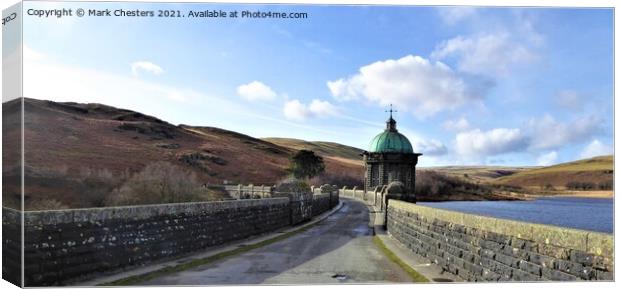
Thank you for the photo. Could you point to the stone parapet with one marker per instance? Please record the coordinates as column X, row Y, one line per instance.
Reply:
column 479, row 248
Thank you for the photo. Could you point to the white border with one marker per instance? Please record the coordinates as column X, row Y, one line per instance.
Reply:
column 511, row 3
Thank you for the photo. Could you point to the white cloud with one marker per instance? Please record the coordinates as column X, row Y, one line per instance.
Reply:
column 458, row 125
column 453, row 15
column 296, row 110
column 547, row 133
column 569, row 99
column 596, row 148
column 255, row 91
column 46, row 79
column 491, row 54
column 145, row 66
column 547, row 159
column 411, row 83
column 536, row 136
column 430, row 147
column 322, row 108
column 491, row 142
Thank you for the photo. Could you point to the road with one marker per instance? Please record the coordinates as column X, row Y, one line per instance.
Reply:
column 338, row 249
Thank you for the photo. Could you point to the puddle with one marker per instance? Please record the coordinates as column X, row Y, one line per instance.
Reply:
column 340, row 277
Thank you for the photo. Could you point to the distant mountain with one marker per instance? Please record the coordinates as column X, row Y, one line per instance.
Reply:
column 477, row 173
column 77, row 153
column 595, row 170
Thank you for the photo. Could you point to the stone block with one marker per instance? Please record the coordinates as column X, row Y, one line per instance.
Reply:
column 476, row 270
column 504, row 270
column 507, row 260
column 520, row 275
column 555, row 275
column 603, row 275
column 491, row 245
column 490, row 275
column 541, row 260
column 581, row 257
column 498, row 238
column 486, row 253
column 530, row 268
column 573, row 268
column 602, row 263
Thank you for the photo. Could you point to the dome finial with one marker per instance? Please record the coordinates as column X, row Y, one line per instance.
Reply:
column 391, row 123
column 391, row 110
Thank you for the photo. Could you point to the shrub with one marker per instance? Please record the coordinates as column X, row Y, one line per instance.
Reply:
column 606, row 185
column 305, row 164
column 292, row 185
column 430, row 183
column 580, row 186
column 157, row 183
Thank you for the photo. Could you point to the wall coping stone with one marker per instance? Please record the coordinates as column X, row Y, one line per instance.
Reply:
column 139, row 212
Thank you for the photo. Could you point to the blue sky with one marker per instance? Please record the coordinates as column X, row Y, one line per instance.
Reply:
column 492, row 86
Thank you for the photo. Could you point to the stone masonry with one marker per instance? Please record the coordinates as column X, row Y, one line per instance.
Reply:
column 481, row 248
column 65, row 245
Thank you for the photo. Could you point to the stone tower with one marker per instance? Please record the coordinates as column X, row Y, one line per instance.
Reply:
column 390, row 158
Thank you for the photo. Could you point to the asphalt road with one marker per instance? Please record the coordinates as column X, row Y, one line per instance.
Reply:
column 338, row 249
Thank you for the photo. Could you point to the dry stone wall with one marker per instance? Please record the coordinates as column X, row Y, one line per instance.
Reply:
column 481, row 248
column 320, row 203
column 65, row 245
column 11, row 245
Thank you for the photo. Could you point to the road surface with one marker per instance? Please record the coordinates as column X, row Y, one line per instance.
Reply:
column 338, row 249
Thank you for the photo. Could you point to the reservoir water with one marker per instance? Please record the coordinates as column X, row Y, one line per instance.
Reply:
column 579, row 213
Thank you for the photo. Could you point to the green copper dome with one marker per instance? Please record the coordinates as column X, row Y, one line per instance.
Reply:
column 390, row 141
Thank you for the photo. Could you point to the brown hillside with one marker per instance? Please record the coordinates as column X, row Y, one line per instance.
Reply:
column 477, row 173
column 594, row 170
column 77, row 153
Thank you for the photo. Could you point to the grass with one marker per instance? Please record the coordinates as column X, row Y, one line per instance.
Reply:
column 417, row 277
column 320, row 147
column 137, row 279
column 603, row 163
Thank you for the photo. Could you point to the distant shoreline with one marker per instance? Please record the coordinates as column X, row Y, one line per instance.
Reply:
column 580, row 194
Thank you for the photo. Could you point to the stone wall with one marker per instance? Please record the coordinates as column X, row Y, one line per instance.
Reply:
column 481, row 248
column 320, row 204
column 246, row 192
column 374, row 198
column 63, row 245
column 11, row 246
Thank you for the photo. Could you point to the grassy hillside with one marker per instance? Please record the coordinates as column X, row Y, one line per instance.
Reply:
column 76, row 154
column 325, row 149
column 477, row 173
column 594, row 170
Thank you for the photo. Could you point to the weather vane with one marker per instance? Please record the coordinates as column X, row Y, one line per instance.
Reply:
column 391, row 110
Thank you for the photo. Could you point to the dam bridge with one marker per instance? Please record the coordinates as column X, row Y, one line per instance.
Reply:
column 329, row 235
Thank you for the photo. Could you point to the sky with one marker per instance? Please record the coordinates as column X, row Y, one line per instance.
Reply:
column 472, row 85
